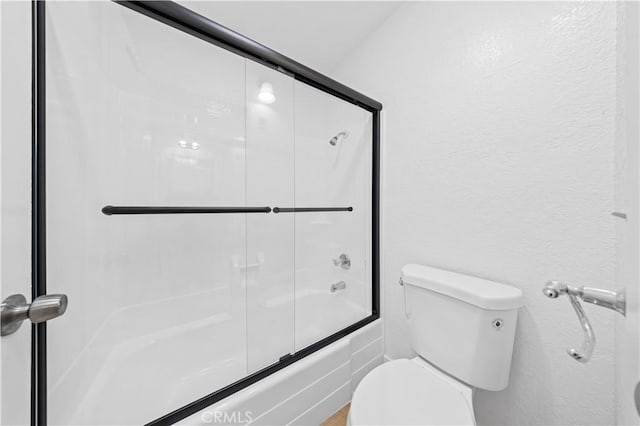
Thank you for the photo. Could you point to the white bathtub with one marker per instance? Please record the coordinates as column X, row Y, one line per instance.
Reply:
column 160, row 348
column 322, row 313
column 308, row 391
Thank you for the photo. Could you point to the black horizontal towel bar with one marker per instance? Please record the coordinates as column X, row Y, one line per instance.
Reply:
column 111, row 210
column 311, row 209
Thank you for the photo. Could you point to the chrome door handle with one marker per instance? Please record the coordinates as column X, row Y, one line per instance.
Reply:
column 15, row 309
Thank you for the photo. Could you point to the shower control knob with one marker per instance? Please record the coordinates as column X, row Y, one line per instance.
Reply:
column 343, row 261
column 15, row 309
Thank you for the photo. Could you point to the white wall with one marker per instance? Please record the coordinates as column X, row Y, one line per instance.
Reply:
column 627, row 198
column 498, row 161
column 316, row 33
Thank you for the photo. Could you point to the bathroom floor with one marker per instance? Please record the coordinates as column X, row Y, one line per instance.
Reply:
column 339, row 418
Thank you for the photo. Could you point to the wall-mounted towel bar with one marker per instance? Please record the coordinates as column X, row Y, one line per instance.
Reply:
column 311, row 209
column 111, row 210
column 605, row 298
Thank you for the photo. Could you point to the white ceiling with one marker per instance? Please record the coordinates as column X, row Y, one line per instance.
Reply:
column 318, row 34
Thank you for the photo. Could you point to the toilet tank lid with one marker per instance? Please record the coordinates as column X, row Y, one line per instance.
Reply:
column 476, row 291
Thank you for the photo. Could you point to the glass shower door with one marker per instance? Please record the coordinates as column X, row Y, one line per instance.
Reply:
column 333, row 172
column 139, row 114
column 270, row 238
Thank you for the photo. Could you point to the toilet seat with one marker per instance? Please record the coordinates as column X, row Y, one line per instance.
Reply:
column 410, row 392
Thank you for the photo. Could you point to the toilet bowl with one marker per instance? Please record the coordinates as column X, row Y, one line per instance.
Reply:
column 462, row 329
column 411, row 392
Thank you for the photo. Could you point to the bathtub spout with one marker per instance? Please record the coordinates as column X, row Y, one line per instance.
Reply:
column 341, row 285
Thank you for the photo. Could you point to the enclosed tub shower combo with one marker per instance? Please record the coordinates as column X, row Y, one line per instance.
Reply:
column 208, row 206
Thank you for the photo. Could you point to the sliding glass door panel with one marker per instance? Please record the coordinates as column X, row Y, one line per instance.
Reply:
column 270, row 240
column 141, row 114
column 333, row 168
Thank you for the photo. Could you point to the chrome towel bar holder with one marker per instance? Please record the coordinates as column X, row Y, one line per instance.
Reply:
column 614, row 300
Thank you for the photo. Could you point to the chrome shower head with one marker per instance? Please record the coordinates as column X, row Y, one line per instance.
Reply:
column 334, row 140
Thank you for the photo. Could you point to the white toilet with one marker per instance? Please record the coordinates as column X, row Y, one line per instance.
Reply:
column 463, row 329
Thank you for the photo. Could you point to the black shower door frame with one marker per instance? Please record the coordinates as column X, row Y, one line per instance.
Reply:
column 182, row 19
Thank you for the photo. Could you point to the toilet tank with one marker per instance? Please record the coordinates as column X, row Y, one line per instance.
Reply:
column 462, row 324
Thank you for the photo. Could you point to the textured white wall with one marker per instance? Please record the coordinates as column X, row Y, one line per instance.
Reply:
column 498, row 161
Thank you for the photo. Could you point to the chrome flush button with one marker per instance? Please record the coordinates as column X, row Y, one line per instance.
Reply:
column 497, row 323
